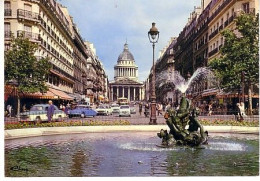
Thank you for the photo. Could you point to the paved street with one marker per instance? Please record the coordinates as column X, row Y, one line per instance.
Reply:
column 137, row 119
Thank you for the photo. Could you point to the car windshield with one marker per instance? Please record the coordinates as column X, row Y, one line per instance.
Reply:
column 124, row 107
column 37, row 108
column 81, row 107
column 115, row 105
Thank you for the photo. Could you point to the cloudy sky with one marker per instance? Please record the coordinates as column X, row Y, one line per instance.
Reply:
column 108, row 23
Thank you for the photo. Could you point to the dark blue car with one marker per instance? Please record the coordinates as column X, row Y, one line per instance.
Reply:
column 82, row 111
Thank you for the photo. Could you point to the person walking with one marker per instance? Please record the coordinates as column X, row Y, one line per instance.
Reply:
column 50, row 111
column 9, row 110
column 140, row 108
column 159, row 109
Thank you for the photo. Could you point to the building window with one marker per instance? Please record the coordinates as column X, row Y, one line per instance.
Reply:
column 246, row 7
column 27, row 7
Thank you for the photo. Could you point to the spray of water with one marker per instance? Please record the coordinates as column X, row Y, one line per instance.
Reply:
column 179, row 82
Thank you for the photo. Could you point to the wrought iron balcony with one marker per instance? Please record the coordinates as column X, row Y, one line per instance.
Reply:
column 8, row 12
column 29, row 35
column 29, row 15
column 213, row 52
column 8, row 34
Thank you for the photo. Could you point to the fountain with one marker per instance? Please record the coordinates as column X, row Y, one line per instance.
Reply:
column 185, row 116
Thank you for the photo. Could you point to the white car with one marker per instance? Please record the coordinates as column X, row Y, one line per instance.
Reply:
column 115, row 108
column 38, row 113
column 104, row 110
column 124, row 111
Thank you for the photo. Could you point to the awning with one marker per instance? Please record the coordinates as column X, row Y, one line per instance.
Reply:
column 10, row 91
column 60, row 95
column 76, row 96
column 38, row 95
column 210, row 92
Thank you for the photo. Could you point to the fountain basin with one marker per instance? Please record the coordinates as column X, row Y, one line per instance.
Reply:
column 130, row 154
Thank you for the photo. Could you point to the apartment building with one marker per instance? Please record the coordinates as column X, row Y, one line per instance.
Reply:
column 200, row 40
column 49, row 24
column 221, row 16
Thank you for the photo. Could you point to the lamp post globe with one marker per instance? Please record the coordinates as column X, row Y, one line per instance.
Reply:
column 153, row 36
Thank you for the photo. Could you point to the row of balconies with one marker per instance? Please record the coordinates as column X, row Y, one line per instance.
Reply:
column 55, row 53
column 55, row 36
column 220, row 8
column 57, row 14
column 214, row 51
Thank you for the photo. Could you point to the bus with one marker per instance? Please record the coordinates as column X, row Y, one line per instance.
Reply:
column 122, row 101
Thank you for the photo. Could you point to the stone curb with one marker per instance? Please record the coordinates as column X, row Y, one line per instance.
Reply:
column 30, row 132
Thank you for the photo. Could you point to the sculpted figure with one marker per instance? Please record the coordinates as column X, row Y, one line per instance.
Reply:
column 177, row 122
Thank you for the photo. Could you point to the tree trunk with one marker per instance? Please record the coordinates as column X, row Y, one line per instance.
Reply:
column 18, row 105
column 249, row 100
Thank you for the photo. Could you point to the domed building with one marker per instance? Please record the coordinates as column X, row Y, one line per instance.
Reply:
column 126, row 82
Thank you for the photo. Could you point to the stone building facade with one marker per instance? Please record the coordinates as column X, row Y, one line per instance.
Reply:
column 200, row 41
column 75, row 68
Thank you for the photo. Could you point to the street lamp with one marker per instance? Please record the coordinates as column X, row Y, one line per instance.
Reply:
column 152, row 35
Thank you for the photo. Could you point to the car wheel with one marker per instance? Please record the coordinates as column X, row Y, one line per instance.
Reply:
column 82, row 115
column 38, row 119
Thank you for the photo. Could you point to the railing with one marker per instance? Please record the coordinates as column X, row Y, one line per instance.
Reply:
column 221, row 7
column 220, row 27
column 8, row 12
column 8, row 34
column 213, row 34
column 213, row 52
column 21, row 13
column 30, row 35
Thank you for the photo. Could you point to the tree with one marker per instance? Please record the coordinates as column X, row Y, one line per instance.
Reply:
column 23, row 69
column 239, row 54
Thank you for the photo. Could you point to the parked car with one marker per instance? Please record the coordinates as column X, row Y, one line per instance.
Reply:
column 132, row 109
column 104, row 110
column 82, row 111
column 38, row 113
column 124, row 111
column 115, row 108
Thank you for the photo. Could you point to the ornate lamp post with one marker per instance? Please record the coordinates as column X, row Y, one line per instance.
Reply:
column 152, row 35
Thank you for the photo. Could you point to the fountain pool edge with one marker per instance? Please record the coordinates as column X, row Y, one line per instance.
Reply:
column 31, row 132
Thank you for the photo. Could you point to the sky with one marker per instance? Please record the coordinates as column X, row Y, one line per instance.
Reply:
column 108, row 24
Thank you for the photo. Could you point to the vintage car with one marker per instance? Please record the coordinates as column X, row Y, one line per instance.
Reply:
column 115, row 108
column 104, row 110
column 124, row 111
column 132, row 109
column 38, row 113
column 82, row 111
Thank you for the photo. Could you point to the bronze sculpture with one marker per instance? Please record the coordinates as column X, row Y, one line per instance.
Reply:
column 179, row 134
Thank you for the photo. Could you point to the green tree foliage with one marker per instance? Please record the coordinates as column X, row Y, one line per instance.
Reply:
column 22, row 67
column 239, row 53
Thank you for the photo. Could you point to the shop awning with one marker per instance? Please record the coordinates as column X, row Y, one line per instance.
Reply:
column 60, row 95
column 38, row 95
column 210, row 92
column 76, row 96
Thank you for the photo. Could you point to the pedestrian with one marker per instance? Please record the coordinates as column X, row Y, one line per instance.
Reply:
column 241, row 108
column 159, row 109
column 50, row 111
column 237, row 113
column 140, row 108
column 66, row 110
column 168, row 107
column 9, row 110
column 209, row 109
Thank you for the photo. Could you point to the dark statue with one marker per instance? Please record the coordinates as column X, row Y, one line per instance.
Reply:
column 179, row 133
